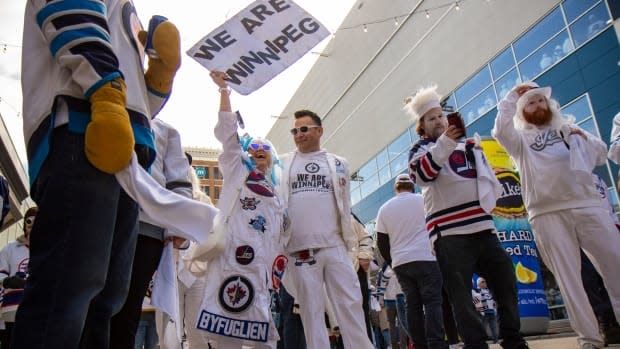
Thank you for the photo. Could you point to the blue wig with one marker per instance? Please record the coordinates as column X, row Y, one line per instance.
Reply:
column 275, row 167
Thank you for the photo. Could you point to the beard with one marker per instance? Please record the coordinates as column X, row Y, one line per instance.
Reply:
column 539, row 117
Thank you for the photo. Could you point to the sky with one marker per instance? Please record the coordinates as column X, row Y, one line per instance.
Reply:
column 192, row 108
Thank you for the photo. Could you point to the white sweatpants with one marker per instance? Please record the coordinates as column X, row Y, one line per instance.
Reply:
column 559, row 236
column 191, row 299
column 334, row 269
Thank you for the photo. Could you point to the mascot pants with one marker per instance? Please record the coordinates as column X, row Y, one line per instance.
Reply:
column 559, row 236
column 330, row 266
column 81, row 250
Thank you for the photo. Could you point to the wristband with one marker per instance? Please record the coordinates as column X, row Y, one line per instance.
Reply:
column 224, row 89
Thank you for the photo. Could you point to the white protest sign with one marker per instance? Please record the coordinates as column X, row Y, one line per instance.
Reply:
column 258, row 43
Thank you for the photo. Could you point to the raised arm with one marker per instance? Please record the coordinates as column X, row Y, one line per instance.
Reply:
column 226, row 128
column 504, row 130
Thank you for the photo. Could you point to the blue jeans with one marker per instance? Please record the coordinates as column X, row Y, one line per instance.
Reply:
column 421, row 284
column 401, row 311
column 490, row 320
column 459, row 256
column 81, row 250
column 291, row 327
column 146, row 335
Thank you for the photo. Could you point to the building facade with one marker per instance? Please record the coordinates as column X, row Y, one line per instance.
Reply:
column 476, row 51
column 204, row 162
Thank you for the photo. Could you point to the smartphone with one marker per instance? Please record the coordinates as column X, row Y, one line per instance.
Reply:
column 455, row 119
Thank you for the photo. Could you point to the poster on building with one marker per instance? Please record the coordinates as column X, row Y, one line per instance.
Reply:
column 516, row 236
column 258, row 43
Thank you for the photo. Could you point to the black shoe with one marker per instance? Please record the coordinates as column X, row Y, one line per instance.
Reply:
column 611, row 334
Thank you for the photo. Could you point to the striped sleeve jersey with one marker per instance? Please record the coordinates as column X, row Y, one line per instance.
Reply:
column 446, row 172
column 74, row 47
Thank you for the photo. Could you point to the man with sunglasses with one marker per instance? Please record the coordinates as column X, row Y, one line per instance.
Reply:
column 13, row 273
column 315, row 185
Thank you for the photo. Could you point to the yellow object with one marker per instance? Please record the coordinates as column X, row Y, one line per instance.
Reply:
column 525, row 275
column 167, row 43
column 109, row 138
column 496, row 154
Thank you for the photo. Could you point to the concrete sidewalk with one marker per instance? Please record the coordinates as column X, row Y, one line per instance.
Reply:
column 557, row 341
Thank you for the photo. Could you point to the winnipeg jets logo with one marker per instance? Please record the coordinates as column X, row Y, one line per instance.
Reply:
column 236, row 294
column 463, row 164
column 249, row 203
column 545, row 139
column 312, row 167
column 259, row 223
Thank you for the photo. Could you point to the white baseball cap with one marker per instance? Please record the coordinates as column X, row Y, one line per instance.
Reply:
column 403, row 178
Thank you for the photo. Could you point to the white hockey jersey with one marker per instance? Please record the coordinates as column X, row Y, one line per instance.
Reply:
column 14, row 259
column 446, row 171
column 70, row 49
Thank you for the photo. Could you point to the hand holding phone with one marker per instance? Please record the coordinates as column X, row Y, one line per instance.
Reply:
column 455, row 119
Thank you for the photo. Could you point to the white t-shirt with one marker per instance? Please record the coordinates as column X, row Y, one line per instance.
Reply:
column 312, row 206
column 402, row 219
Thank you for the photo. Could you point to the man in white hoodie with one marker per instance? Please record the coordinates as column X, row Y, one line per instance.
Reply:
column 555, row 160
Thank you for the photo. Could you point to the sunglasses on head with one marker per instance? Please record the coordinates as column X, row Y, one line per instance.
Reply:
column 302, row 129
column 29, row 220
column 257, row 146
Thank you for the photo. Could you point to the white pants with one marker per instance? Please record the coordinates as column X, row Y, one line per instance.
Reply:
column 334, row 269
column 191, row 299
column 559, row 236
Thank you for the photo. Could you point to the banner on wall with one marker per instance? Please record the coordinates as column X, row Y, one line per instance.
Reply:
column 258, row 43
column 515, row 235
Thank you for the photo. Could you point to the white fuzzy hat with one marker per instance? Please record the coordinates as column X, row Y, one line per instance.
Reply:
column 425, row 99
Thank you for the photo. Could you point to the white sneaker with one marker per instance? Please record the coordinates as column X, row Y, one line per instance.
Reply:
column 590, row 346
column 455, row 346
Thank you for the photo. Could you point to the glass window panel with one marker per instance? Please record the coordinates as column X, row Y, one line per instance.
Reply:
column 590, row 24
column 368, row 169
column 450, row 102
column 612, row 195
column 400, row 144
column 356, row 196
column 384, row 174
column 506, row 83
column 544, row 58
column 590, row 126
column 202, row 172
column 475, row 84
column 502, row 63
column 479, row 105
column 574, row 8
column 216, row 173
column 399, row 164
column 369, row 185
column 483, row 125
column 580, row 109
column 382, row 158
column 540, row 33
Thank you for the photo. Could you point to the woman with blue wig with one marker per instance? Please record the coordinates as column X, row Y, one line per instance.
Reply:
column 243, row 277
